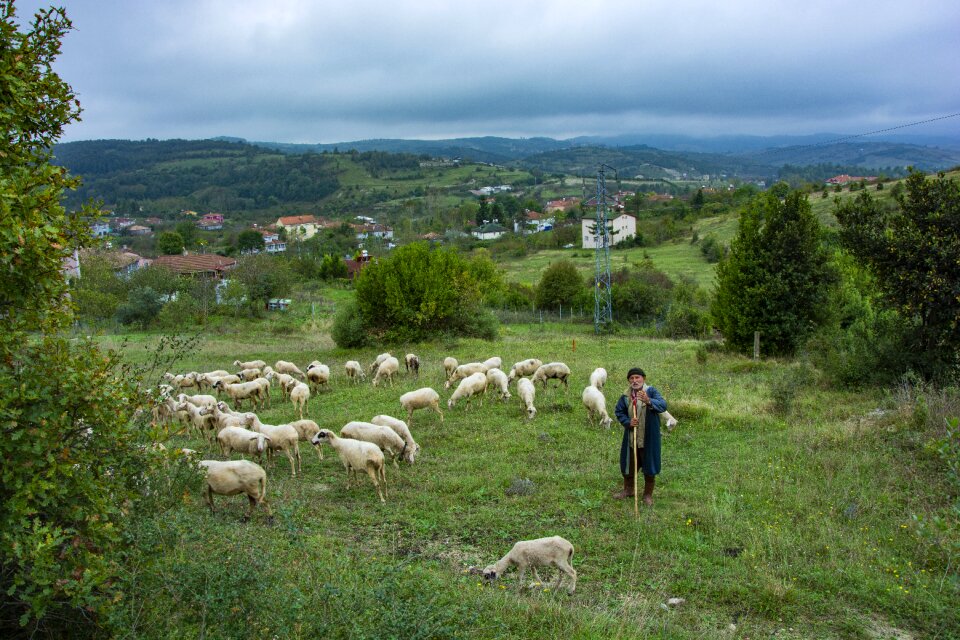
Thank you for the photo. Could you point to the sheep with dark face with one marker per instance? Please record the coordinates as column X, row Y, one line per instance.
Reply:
column 542, row 552
column 357, row 455
column 411, row 362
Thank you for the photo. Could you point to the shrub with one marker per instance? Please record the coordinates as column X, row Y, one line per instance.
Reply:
column 559, row 285
column 142, row 307
column 348, row 328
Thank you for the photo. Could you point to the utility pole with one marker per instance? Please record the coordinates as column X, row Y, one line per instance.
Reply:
column 603, row 305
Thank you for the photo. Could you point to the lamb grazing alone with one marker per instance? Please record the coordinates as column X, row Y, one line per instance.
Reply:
column 498, row 379
column 450, row 365
column 598, row 378
column 552, row 370
column 357, row 455
column 412, row 363
column 463, row 371
column 228, row 478
column 596, row 406
column 387, row 369
column 527, row 393
column 410, row 453
column 252, row 364
column 523, row 368
column 282, row 366
column 542, row 552
column 384, row 437
column 299, row 395
column 354, row 371
column 306, row 429
column 318, row 375
column 420, row 399
column 473, row 385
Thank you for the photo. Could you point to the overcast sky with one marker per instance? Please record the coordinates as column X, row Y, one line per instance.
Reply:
column 320, row 71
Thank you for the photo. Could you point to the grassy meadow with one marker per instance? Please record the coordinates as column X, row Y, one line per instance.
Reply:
column 785, row 509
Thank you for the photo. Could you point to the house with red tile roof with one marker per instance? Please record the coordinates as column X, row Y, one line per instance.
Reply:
column 207, row 264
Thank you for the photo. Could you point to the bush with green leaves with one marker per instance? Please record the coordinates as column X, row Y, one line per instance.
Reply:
column 141, row 308
column 416, row 293
column 641, row 295
column 777, row 277
column 559, row 285
column 263, row 277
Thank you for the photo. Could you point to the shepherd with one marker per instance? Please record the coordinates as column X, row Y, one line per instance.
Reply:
column 638, row 410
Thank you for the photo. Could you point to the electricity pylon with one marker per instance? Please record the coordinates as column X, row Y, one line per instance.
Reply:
column 602, row 303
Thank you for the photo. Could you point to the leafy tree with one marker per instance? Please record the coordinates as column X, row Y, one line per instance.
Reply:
column 419, row 292
column 333, row 267
column 264, row 277
column 142, row 307
column 170, row 243
column 776, row 278
column 188, row 231
column 75, row 464
column 250, row 240
column 698, row 200
column 912, row 250
column 559, row 285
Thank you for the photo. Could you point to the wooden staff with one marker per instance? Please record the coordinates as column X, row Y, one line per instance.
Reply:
column 641, row 415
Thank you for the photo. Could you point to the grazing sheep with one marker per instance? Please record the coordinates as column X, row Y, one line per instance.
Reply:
column 524, row 368
column 496, row 362
column 241, row 391
column 318, row 374
column 249, row 374
column 264, row 390
column 230, row 378
column 598, row 378
column 542, row 552
column 376, row 363
column 412, row 363
column 354, row 370
column 282, row 366
column 384, row 437
column 387, row 369
column 198, row 400
column 201, row 421
column 281, row 437
column 299, row 395
column 671, row 421
column 224, row 417
column 463, row 371
column 183, row 380
column 555, row 370
column 236, row 476
column 285, row 381
column 410, row 453
column 242, row 440
column 420, row 399
column 449, row 366
column 498, row 378
column 473, row 385
column 596, row 406
column 306, row 429
column 527, row 392
column 357, row 455
column 252, row 364
column 207, row 379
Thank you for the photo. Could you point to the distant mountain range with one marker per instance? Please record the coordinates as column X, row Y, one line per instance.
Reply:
column 734, row 155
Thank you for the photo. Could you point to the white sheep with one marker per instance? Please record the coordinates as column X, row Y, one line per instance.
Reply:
column 318, row 375
column 387, row 369
column 354, row 371
column 420, row 399
column 412, row 363
column 410, row 453
column 542, row 552
column 282, row 437
column 524, row 368
column 252, row 364
column 285, row 381
column 596, row 406
column 552, row 370
column 198, row 400
column 598, row 378
column 249, row 374
column 463, row 371
column 357, row 455
column 242, row 440
column 473, row 385
column 223, row 416
column 282, row 366
column 231, row 477
column 201, row 421
column 496, row 362
column 306, row 429
column 384, row 437
column 230, row 378
column 498, row 378
column 241, row 391
column 207, row 378
column 450, row 365
column 527, row 392
column 299, row 395
column 379, row 360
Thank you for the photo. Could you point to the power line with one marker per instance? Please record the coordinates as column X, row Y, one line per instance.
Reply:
column 870, row 133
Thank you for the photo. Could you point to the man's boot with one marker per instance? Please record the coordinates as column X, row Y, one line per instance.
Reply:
column 648, row 483
column 627, row 491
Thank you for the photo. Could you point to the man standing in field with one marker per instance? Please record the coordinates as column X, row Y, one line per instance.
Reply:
column 640, row 402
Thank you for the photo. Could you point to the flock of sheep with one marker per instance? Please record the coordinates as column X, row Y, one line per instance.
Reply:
column 362, row 447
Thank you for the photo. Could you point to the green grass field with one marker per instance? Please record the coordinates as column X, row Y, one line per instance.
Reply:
column 797, row 524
